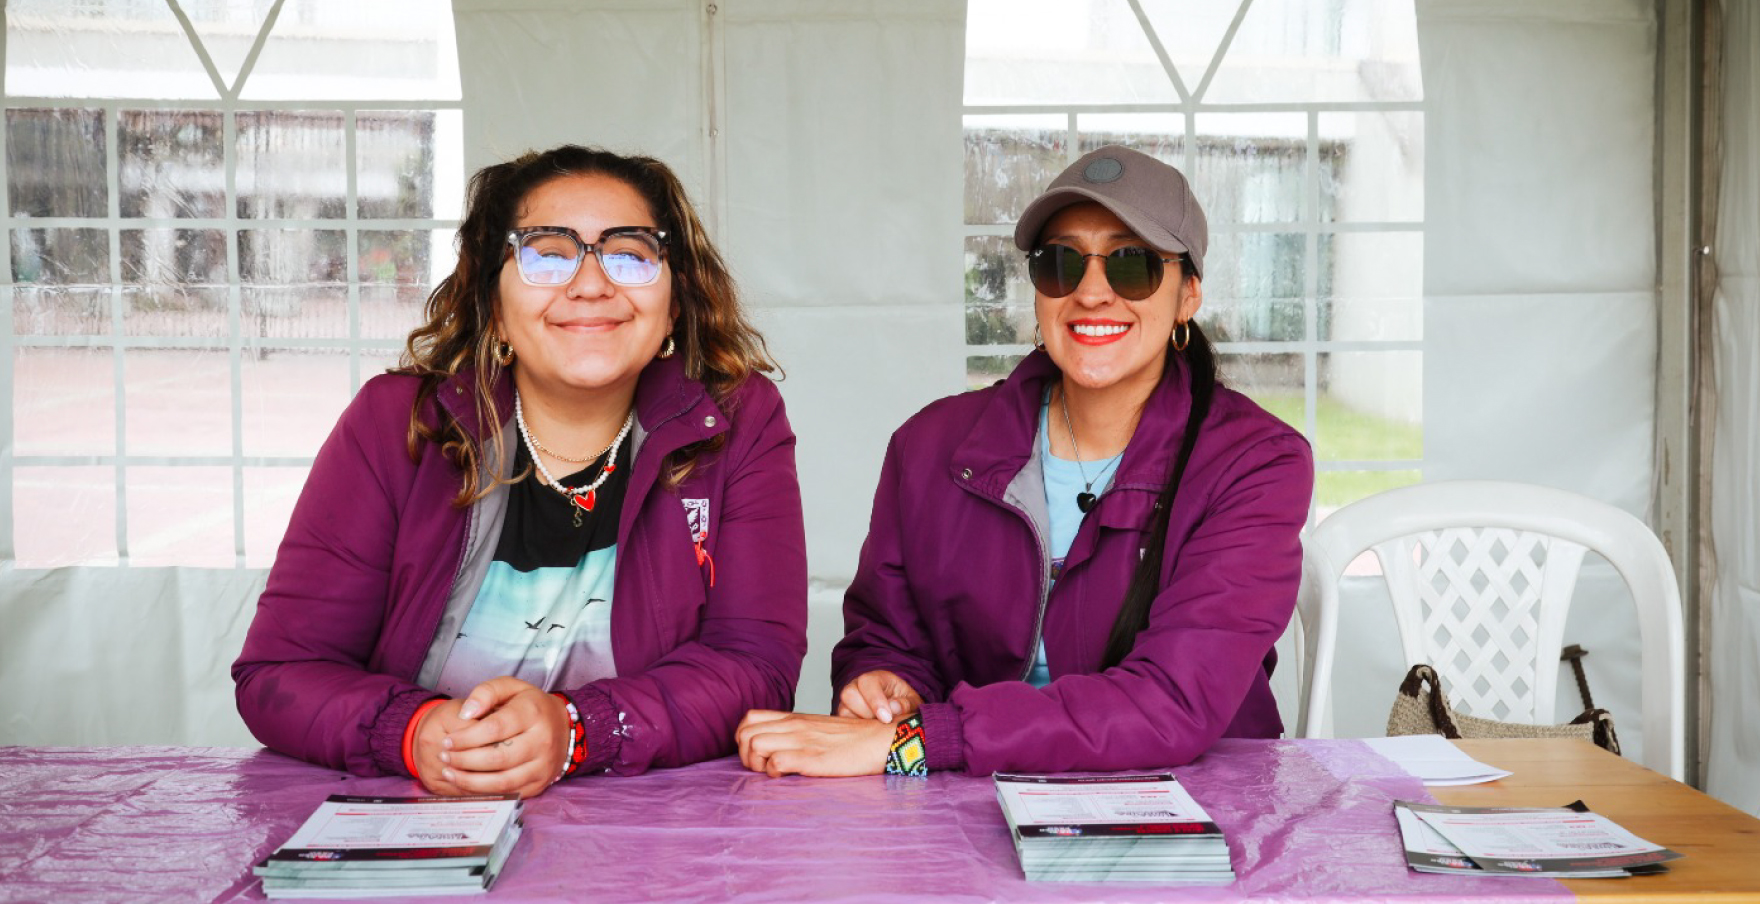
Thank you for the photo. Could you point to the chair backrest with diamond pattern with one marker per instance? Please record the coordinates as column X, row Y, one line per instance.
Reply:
column 1481, row 575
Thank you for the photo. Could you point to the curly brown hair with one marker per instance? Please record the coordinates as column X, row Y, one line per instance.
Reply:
column 717, row 345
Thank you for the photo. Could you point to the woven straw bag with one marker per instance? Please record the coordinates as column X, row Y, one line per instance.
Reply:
column 1422, row 708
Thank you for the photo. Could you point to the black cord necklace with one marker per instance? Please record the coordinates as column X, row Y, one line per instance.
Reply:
column 1085, row 499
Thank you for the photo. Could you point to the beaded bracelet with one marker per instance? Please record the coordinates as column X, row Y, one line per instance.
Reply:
column 576, row 752
column 909, row 754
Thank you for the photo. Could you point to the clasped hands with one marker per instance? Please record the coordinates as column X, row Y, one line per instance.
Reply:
column 506, row 735
column 853, row 742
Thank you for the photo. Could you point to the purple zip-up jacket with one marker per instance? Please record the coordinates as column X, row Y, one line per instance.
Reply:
column 950, row 587
column 375, row 545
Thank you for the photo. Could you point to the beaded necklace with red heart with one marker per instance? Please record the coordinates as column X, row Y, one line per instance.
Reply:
column 583, row 497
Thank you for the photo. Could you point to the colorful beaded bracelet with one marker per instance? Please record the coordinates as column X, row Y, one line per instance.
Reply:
column 909, row 754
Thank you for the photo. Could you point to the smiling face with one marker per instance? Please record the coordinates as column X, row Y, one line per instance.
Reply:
column 588, row 333
column 1097, row 338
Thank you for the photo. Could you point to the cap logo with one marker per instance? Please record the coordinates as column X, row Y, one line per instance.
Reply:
column 1105, row 169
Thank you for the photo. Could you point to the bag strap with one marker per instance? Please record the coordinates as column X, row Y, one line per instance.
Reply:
column 1604, row 735
column 1574, row 654
column 1440, row 714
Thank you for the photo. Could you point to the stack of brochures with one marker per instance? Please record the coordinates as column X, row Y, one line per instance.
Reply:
column 1142, row 828
column 392, row 846
column 1562, row 842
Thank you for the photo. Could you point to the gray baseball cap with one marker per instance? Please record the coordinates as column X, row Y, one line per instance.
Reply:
column 1151, row 197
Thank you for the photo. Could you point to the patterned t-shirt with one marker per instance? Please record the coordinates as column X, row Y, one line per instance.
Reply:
column 543, row 614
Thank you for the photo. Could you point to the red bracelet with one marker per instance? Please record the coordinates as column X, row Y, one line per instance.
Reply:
column 409, row 735
column 577, row 738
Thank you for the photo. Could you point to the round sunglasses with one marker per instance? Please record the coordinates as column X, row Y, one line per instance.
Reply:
column 1134, row 273
column 552, row 255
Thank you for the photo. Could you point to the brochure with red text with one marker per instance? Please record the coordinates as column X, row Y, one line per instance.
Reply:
column 1138, row 827
column 364, row 846
column 1562, row 842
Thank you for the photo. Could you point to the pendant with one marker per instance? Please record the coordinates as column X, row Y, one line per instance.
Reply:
column 583, row 502
column 1085, row 502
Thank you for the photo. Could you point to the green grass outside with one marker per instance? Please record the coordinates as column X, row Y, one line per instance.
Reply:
column 1345, row 434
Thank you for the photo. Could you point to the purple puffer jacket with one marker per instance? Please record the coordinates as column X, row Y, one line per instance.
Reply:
column 948, row 589
column 375, row 544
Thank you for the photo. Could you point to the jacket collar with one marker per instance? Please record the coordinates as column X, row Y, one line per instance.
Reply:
column 663, row 394
column 1001, row 440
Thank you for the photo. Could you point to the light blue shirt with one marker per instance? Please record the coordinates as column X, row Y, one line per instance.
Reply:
column 1063, row 482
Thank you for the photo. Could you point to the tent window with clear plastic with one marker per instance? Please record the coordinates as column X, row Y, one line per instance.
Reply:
column 222, row 217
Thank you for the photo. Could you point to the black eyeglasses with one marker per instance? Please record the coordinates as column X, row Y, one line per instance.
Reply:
column 551, row 255
column 1133, row 272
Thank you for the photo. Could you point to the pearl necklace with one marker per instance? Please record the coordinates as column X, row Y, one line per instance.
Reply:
column 583, row 497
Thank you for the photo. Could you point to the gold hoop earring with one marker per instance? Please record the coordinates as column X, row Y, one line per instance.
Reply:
column 667, row 350
column 503, row 352
column 1181, row 341
column 1038, row 337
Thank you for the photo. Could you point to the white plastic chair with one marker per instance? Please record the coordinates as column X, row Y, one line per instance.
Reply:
column 1481, row 575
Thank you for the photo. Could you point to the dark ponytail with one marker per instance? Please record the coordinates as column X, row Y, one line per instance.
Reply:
column 1133, row 615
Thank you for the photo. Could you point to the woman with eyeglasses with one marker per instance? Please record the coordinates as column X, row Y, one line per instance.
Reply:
column 565, row 536
column 1085, row 566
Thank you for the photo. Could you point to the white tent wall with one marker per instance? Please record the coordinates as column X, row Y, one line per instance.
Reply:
column 629, row 76
column 97, row 656
column 1733, row 651
column 1540, row 301
column 842, row 213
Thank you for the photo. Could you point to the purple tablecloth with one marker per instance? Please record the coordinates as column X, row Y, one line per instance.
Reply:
column 1304, row 819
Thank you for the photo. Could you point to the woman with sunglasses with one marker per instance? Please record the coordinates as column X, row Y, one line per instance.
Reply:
column 566, row 535
column 1084, row 566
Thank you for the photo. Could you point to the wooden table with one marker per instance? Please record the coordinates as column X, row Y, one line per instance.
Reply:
column 1721, row 843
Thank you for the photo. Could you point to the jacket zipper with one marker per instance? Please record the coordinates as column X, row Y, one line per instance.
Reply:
column 464, row 547
column 1044, row 586
column 1044, row 598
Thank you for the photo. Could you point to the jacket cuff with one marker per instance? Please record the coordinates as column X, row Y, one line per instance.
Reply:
column 386, row 736
column 599, row 718
column 943, row 739
column 911, row 673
